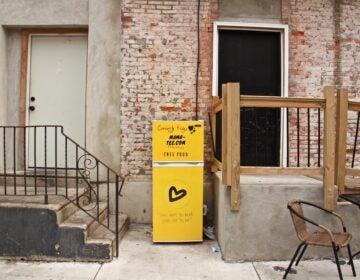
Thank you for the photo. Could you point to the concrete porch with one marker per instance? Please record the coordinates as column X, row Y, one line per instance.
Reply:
column 262, row 230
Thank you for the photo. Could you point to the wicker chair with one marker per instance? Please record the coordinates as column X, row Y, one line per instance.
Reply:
column 322, row 236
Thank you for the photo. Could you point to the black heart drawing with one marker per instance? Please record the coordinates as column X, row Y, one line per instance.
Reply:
column 175, row 194
column 191, row 127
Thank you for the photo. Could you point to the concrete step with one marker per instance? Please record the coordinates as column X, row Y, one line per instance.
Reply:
column 28, row 191
column 55, row 202
column 104, row 235
column 59, row 178
column 58, row 230
column 31, row 182
column 81, row 219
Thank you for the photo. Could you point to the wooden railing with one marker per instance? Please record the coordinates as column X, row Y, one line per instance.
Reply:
column 230, row 105
column 346, row 150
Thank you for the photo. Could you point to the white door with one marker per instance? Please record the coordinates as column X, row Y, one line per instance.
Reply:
column 56, row 96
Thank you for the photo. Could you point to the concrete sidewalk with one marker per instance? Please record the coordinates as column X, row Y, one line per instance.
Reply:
column 141, row 259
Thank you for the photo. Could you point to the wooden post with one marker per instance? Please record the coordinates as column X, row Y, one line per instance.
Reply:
column 233, row 92
column 341, row 133
column 215, row 100
column 226, row 170
column 231, row 141
column 329, row 148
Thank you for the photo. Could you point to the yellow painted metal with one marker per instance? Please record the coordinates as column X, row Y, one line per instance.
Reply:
column 177, row 204
column 178, row 154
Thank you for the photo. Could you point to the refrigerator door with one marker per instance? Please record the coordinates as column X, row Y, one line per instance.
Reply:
column 178, row 141
column 177, row 203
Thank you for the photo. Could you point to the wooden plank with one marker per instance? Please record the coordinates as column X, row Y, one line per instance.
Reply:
column 22, row 98
column 214, row 167
column 233, row 92
column 218, row 108
column 341, row 133
column 354, row 106
column 56, row 31
column 352, row 172
column 281, row 102
column 226, row 169
column 23, row 77
column 306, row 171
column 218, row 164
column 329, row 148
column 216, row 101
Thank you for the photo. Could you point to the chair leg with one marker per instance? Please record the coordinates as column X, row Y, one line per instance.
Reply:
column 293, row 259
column 301, row 254
column 351, row 261
column 337, row 260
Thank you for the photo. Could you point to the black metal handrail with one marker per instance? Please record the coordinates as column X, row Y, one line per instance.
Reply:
column 43, row 160
column 309, row 125
column 304, row 136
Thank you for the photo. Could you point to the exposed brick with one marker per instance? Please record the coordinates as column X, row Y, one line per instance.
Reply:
column 159, row 58
column 126, row 19
column 324, row 50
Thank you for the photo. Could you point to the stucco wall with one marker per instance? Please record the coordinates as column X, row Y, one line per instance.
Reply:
column 13, row 53
column 103, row 82
column 3, row 96
column 103, row 95
column 43, row 12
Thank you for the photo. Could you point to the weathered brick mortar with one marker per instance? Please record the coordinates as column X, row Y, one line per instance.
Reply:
column 159, row 64
column 159, row 57
column 324, row 50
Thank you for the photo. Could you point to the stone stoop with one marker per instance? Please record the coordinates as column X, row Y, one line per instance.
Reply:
column 58, row 231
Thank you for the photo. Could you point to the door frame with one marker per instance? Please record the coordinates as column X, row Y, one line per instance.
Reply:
column 25, row 63
column 24, row 73
column 283, row 29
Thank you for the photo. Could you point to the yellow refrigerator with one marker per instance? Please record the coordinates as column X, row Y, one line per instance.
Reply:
column 178, row 155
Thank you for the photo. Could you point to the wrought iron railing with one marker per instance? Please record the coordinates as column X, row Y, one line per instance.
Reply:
column 43, row 160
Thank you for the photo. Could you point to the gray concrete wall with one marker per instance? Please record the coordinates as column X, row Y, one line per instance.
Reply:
column 3, row 81
column 250, row 10
column 103, row 81
column 13, row 54
column 3, row 59
column 17, row 14
column 103, row 19
column 43, row 12
column 262, row 229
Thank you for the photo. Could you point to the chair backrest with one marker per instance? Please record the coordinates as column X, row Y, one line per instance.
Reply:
column 299, row 223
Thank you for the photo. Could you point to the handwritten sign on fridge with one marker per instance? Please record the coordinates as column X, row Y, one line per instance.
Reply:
column 178, row 141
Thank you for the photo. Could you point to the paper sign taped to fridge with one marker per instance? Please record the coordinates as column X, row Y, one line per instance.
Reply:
column 178, row 140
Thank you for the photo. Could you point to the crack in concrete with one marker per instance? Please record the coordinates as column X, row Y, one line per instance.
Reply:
column 257, row 273
column 97, row 272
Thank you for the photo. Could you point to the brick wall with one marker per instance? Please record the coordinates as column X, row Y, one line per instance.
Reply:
column 349, row 45
column 159, row 57
column 324, row 50
column 312, row 46
column 158, row 74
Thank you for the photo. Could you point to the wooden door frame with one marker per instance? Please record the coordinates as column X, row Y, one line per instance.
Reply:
column 25, row 56
column 24, row 72
column 283, row 29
